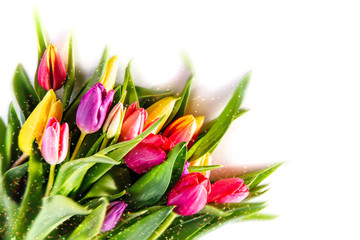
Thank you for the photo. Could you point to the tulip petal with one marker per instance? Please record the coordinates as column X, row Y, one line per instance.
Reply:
column 109, row 76
column 114, row 212
column 50, row 144
column 44, row 71
column 63, row 142
column 58, row 69
column 223, row 188
column 131, row 109
column 104, row 108
column 133, row 125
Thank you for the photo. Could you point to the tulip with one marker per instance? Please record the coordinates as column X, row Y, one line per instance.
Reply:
column 189, row 194
column 35, row 124
column 230, row 190
column 134, row 121
column 93, row 108
column 199, row 123
column 109, row 76
column 55, row 142
column 113, row 120
column 186, row 170
column 161, row 108
column 205, row 160
column 148, row 153
column 113, row 214
column 51, row 72
column 183, row 129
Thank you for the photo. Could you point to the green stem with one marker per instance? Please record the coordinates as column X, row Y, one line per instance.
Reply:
column 104, row 143
column 51, row 180
column 78, row 145
column 164, row 226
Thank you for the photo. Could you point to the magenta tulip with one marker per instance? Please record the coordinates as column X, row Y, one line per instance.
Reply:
column 148, row 153
column 51, row 72
column 93, row 108
column 230, row 190
column 134, row 122
column 186, row 171
column 55, row 142
column 189, row 194
column 113, row 214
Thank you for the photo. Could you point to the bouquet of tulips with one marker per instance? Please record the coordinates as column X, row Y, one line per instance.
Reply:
column 111, row 161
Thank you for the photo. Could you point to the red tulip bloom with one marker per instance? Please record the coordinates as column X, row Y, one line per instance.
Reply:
column 134, row 122
column 231, row 190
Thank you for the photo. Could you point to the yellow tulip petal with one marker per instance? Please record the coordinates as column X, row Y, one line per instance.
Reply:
column 36, row 122
column 203, row 161
column 56, row 111
column 109, row 76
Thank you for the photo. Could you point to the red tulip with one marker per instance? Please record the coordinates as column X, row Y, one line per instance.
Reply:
column 189, row 194
column 134, row 122
column 51, row 72
column 55, row 142
column 230, row 190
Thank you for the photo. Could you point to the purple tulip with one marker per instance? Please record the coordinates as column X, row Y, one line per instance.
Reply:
column 230, row 190
column 93, row 108
column 113, row 214
column 186, row 170
column 189, row 194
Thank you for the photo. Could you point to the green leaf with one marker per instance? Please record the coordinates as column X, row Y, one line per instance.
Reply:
column 70, row 112
column 12, row 179
column 260, row 217
column 71, row 173
column 92, row 224
column 203, row 168
column 31, row 202
column 254, row 178
column 55, row 210
column 180, row 105
column 116, row 152
column 152, row 186
column 217, row 131
column 96, row 145
column 12, row 151
column 131, row 95
column 148, row 92
column 211, row 210
column 3, row 160
column 145, row 227
column 70, row 75
column 42, row 44
column 178, row 168
column 24, row 91
column 88, row 143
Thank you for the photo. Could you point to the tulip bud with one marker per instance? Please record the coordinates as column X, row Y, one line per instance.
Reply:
column 205, row 160
column 51, row 72
column 159, row 109
column 133, row 123
column 199, row 123
column 109, row 76
column 113, row 214
column 189, row 194
column 54, row 147
column 56, row 112
column 147, row 154
column 93, row 108
column 112, row 121
column 183, row 129
column 35, row 124
column 186, row 170
column 230, row 190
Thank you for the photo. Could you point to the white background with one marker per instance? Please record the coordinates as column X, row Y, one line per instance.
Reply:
column 304, row 94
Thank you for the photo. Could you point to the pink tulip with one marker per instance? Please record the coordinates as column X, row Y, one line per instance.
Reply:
column 134, row 122
column 148, row 153
column 186, row 171
column 230, row 190
column 55, row 142
column 51, row 72
column 189, row 194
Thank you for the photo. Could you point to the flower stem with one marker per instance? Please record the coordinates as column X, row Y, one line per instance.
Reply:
column 50, row 180
column 164, row 226
column 78, row 145
column 104, row 143
column 20, row 160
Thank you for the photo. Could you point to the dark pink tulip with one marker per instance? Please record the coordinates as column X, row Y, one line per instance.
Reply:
column 113, row 214
column 147, row 154
column 186, row 171
column 230, row 190
column 189, row 194
column 55, row 142
column 93, row 108
column 134, row 122
column 51, row 72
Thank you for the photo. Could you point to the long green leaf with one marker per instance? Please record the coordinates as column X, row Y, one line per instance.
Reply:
column 70, row 112
column 24, row 91
column 70, row 75
column 31, row 202
column 151, row 186
column 217, row 131
column 12, row 151
column 148, row 92
column 55, row 210
column 203, row 168
column 145, row 227
column 3, row 160
column 92, row 224
column 12, row 179
column 71, row 173
column 131, row 95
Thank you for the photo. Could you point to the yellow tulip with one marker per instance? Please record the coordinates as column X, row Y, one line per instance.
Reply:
column 109, row 76
column 35, row 124
column 159, row 109
column 203, row 161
